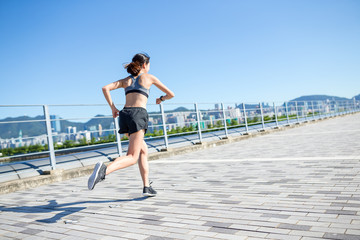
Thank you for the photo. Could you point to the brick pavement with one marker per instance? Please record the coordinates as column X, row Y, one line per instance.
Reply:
column 302, row 183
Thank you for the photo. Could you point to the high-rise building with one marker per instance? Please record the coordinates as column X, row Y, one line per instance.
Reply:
column 94, row 132
column 55, row 123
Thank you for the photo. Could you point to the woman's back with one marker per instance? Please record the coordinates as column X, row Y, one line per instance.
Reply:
column 137, row 90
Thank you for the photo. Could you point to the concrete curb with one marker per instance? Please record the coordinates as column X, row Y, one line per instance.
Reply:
column 61, row 175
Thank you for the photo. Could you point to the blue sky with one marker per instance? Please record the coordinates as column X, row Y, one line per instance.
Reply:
column 63, row 52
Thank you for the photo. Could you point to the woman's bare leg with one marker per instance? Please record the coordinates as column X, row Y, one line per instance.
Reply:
column 135, row 146
column 144, row 164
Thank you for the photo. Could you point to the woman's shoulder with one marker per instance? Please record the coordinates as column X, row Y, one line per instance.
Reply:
column 149, row 77
column 125, row 81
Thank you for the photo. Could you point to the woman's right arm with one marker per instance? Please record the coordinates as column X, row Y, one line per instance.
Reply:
column 106, row 91
column 162, row 87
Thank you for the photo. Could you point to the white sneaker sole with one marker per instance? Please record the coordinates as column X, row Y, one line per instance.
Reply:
column 149, row 195
column 92, row 178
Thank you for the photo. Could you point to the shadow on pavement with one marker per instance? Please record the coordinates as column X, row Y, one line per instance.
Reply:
column 63, row 209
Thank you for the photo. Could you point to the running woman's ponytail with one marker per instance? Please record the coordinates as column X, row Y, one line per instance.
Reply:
column 138, row 60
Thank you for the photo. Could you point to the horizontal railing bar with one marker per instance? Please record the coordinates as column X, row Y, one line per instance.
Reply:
column 22, row 105
column 84, row 147
column 23, row 155
column 183, row 133
column 24, row 121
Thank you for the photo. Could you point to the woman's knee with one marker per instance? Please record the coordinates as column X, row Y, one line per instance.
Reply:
column 133, row 159
column 144, row 150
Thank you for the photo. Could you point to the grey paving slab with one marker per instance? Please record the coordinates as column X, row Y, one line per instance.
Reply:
column 301, row 183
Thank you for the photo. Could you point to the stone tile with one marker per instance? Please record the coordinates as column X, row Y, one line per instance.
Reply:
column 282, row 236
column 223, row 230
column 341, row 236
column 328, row 230
column 31, row 231
column 295, row 227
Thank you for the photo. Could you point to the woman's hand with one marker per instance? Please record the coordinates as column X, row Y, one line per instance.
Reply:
column 158, row 101
column 115, row 112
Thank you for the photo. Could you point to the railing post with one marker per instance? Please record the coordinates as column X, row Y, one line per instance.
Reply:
column 262, row 117
column 349, row 104
column 49, row 137
column 345, row 108
column 297, row 112
column 354, row 105
column 287, row 113
column 164, row 126
column 198, row 122
column 305, row 109
column 276, row 119
column 319, row 105
column 336, row 109
column 226, row 131
column 312, row 108
column 245, row 117
column 118, row 137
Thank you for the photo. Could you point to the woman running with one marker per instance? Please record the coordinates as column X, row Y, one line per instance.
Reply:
column 133, row 120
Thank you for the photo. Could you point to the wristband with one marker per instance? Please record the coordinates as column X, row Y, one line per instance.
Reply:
column 161, row 98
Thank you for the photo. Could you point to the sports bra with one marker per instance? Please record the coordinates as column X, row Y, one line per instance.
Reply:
column 136, row 87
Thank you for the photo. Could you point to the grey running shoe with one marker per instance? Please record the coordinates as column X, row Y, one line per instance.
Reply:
column 97, row 176
column 149, row 192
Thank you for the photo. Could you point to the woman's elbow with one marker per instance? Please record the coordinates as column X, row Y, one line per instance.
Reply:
column 105, row 89
column 171, row 94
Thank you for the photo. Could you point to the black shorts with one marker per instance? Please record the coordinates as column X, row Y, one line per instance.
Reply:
column 133, row 119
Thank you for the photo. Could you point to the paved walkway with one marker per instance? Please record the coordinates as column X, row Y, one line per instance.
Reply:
column 302, row 183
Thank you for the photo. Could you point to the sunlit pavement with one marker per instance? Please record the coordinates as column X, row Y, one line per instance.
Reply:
column 302, row 183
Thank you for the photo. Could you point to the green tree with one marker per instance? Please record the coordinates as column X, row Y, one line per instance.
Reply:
column 68, row 144
column 21, row 150
column 233, row 122
column 218, row 124
column 184, row 129
column 7, row 151
column 83, row 141
column 267, row 118
column 111, row 137
column 36, row 148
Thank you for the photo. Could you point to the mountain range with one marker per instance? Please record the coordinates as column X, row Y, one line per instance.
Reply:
column 11, row 130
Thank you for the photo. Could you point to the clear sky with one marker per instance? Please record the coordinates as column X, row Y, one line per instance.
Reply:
column 63, row 52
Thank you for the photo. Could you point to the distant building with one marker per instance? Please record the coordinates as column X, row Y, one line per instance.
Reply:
column 94, row 132
column 55, row 123
column 71, row 133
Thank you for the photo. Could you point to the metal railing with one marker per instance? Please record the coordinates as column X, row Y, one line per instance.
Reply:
column 223, row 120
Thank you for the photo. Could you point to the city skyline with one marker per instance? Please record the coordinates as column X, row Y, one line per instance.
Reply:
column 174, row 120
